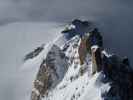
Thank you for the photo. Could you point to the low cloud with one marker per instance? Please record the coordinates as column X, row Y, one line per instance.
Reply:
column 113, row 18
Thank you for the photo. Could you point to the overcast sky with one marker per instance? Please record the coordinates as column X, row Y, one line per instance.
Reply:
column 113, row 18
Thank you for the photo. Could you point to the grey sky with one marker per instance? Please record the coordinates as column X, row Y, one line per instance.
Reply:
column 61, row 10
column 113, row 17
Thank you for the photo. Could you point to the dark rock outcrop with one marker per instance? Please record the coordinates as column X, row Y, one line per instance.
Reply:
column 34, row 53
column 94, row 38
column 51, row 72
column 79, row 28
column 120, row 78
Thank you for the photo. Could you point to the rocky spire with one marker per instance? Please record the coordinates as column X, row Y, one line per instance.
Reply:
column 114, row 70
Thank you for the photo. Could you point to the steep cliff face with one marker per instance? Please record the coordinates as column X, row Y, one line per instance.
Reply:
column 51, row 72
column 77, row 82
column 81, row 69
column 70, row 80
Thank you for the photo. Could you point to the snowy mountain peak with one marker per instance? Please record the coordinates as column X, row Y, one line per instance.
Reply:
column 76, row 67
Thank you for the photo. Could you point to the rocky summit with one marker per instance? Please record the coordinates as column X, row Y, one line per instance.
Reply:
column 81, row 68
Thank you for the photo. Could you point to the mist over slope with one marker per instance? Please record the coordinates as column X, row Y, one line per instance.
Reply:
column 20, row 38
column 17, row 40
column 113, row 17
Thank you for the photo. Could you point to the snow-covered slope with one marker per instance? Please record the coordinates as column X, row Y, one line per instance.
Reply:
column 60, row 75
column 77, row 83
column 18, row 39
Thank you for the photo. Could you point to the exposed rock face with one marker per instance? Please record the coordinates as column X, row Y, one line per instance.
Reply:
column 42, row 82
column 87, row 42
column 82, row 51
column 120, row 77
column 57, row 61
column 115, row 70
column 112, row 69
column 51, row 72
column 96, row 59
column 79, row 28
column 34, row 53
column 94, row 38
